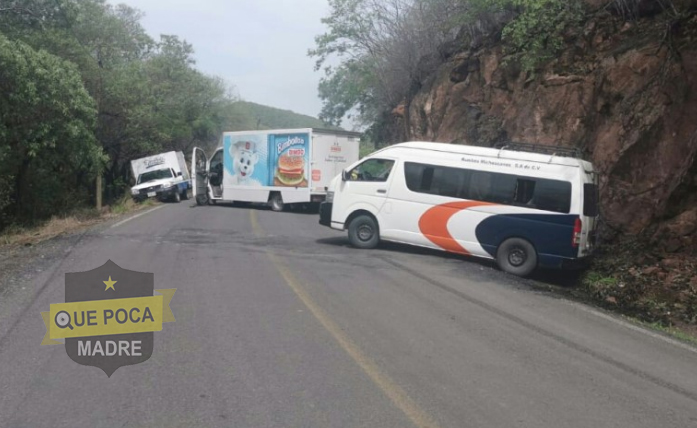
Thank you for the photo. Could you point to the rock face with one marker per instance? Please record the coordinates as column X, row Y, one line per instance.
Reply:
column 624, row 92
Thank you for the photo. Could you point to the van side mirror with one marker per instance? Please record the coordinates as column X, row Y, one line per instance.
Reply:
column 344, row 175
column 179, row 174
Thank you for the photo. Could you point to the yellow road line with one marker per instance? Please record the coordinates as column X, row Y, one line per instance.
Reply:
column 256, row 227
column 393, row 391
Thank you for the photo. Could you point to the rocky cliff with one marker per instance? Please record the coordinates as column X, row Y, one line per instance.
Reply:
column 622, row 90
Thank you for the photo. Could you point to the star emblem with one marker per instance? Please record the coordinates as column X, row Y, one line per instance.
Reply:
column 109, row 284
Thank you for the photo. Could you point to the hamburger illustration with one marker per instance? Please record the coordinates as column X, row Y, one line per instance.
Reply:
column 291, row 170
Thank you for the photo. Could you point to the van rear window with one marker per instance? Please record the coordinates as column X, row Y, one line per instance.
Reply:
column 506, row 189
column 590, row 200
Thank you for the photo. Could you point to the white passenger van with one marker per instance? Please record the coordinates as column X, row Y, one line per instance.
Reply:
column 523, row 205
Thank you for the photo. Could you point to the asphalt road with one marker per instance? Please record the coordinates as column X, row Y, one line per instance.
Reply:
column 279, row 323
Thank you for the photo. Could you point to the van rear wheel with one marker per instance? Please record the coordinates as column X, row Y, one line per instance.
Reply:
column 363, row 232
column 517, row 256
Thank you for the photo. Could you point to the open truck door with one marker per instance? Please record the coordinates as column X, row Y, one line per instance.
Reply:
column 199, row 176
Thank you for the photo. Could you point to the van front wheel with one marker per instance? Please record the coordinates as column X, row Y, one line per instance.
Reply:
column 517, row 256
column 363, row 232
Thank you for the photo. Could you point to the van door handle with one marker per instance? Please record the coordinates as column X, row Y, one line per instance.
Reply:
column 382, row 191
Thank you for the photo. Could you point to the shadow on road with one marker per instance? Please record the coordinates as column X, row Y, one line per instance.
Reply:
column 307, row 209
column 558, row 278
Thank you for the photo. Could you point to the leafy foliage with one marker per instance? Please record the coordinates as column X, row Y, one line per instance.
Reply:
column 387, row 47
column 536, row 35
column 377, row 53
column 84, row 89
column 47, row 144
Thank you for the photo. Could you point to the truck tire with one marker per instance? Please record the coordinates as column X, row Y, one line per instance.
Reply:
column 276, row 202
column 177, row 197
column 516, row 256
column 363, row 232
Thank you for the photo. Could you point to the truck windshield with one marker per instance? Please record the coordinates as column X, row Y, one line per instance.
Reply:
column 154, row 175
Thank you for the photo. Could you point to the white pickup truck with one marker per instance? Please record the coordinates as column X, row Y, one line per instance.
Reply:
column 164, row 176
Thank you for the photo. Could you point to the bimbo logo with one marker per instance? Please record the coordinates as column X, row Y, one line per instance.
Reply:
column 295, row 141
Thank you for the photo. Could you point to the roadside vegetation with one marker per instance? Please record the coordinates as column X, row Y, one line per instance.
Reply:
column 387, row 49
column 84, row 89
column 76, row 220
column 631, row 276
column 376, row 54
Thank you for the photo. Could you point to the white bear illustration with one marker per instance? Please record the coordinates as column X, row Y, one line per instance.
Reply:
column 244, row 157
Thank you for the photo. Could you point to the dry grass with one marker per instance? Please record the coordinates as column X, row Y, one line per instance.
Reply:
column 52, row 228
column 80, row 219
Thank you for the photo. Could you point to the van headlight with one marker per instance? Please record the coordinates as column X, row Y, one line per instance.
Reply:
column 330, row 197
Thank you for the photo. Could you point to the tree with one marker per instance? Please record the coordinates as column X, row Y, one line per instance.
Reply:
column 386, row 50
column 47, row 118
column 121, row 95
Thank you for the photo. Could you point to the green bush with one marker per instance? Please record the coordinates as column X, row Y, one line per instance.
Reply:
column 536, row 35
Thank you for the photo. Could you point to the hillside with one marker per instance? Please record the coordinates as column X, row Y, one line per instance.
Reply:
column 251, row 116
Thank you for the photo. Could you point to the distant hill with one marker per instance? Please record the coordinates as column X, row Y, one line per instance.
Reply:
column 251, row 116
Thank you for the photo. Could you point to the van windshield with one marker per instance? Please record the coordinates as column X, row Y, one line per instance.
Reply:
column 154, row 175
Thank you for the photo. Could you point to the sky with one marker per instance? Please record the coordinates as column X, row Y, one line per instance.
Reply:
column 259, row 46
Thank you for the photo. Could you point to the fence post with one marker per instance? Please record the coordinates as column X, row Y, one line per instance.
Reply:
column 99, row 192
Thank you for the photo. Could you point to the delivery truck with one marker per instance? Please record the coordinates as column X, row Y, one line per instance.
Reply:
column 164, row 176
column 278, row 167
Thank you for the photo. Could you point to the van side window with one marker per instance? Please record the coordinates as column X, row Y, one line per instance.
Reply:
column 436, row 180
column 524, row 190
column 375, row 170
column 552, row 195
column 498, row 188
column 590, row 200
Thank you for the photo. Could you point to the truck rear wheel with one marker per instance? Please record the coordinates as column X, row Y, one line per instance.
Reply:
column 516, row 256
column 363, row 232
column 276, row 202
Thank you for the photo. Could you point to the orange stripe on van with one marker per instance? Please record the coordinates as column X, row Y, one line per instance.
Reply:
column 434, row 224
